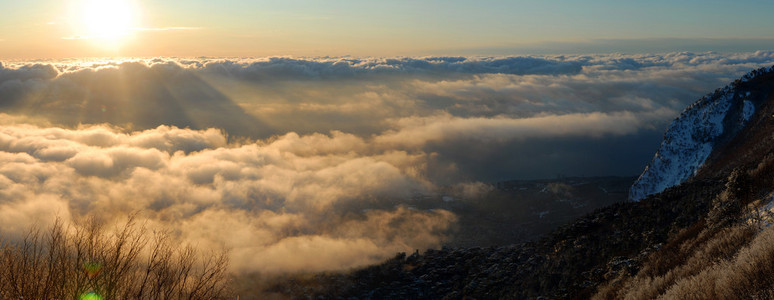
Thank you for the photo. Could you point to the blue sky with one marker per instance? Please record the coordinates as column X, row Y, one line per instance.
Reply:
column 385, row 28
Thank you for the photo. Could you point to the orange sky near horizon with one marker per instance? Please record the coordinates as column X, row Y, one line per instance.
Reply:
column 231, row 28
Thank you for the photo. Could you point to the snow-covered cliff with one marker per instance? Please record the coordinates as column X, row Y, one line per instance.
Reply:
column 691, row 138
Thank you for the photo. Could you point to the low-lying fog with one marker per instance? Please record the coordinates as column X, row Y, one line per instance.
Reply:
column 309, row 164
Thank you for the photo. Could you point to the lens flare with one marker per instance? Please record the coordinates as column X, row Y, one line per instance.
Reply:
column 90, row 296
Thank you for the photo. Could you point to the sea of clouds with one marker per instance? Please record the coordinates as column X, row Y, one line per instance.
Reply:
column 309, row 164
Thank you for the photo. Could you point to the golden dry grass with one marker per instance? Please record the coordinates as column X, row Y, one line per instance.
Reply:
column 735, row 263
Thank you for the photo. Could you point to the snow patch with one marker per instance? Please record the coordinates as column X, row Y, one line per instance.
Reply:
column 688, row 142
column 691, row 138
column 748, row 110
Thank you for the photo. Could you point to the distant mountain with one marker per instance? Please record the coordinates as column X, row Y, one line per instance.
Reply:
column 704, row 127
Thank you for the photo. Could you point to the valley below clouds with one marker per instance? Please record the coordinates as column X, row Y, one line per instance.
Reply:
column 316, row 164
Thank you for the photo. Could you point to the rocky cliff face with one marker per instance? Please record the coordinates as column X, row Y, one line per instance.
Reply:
column 705, row 126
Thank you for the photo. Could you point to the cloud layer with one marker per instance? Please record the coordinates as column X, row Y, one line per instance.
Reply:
column 314, row 163
column 273, row 204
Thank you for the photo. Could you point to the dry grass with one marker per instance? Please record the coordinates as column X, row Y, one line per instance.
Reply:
column 747, row 274
column 725, row 266
column 717, row 258
column 67, row 263
column 689, row 255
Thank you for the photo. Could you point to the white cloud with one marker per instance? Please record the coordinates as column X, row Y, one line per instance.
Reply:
column 508, row 102
column 269, row 202
column 417, row 132
column 283, row 156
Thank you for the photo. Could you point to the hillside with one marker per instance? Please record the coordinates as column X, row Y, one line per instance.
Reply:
column 712, row 123
column 569, row 263
column 704, row 236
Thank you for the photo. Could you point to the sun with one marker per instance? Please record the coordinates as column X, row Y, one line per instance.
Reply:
column 107, row 20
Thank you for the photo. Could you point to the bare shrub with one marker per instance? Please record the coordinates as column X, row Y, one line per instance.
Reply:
column 130, row 263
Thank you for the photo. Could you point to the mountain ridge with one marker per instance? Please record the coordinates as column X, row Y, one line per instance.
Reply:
column 703, row 127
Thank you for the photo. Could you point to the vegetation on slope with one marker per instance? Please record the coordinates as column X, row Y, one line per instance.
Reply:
column 569, row 263
column 87, row 262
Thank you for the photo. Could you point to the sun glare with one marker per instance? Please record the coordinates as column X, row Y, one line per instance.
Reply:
column 106, row 20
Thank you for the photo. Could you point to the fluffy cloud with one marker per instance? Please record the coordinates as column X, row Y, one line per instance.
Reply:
column 278, row 158
column 290, row 68
column 509, row 103
column 271, row 203
column 535, row 103
column 417, row 132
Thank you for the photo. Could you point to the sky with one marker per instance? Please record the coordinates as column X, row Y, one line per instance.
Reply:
column 235, row 28
column 325, row 135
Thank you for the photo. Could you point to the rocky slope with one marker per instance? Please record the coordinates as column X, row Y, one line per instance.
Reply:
column 708, row 124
